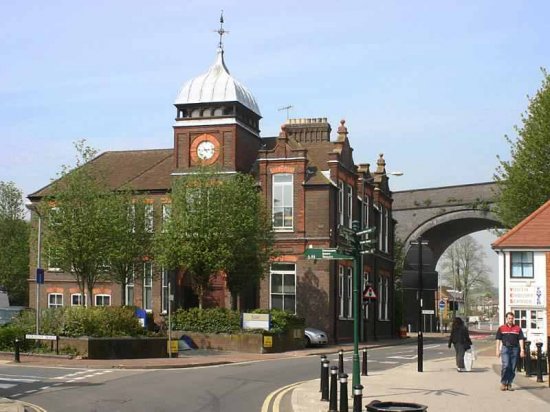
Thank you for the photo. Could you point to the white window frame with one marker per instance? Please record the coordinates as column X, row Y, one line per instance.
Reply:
column 349, row 208
column 366, row 281
column 283, row 293
column 383, row 298
column 382, row 233
column 166, row 214
column 148, row 286
column 386, row 230
column 82, row 299
column 149, row 217
column 130, row 286
column 366, row 214
column 523, row 264
column 285, row 203
column 55, row 304
column 103, row 296
column 341, row 202
column 341, row 289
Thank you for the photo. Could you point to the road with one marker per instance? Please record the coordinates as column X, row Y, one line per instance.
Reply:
column 234, row 387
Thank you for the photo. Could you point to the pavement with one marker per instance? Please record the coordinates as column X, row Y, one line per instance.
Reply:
column 439, row 387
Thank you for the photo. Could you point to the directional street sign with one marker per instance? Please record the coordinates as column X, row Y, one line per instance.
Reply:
column 333, row 254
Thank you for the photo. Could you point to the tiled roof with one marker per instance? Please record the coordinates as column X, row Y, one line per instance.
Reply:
column 532, row 232
column 135, row 169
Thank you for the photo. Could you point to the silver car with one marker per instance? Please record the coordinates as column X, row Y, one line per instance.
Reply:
column 315, row 337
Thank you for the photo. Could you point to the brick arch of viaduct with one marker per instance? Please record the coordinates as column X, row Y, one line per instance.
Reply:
column 441, row 216
column 442, row 230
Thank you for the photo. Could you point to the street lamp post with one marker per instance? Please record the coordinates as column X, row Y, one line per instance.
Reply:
column 356, row 306
column 420, row 337
column 39, row 272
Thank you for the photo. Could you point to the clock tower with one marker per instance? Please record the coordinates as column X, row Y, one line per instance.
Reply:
column 217, row 122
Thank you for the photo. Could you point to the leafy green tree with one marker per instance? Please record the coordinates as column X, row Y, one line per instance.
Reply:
column 14, row 244
column 131, row 235
column 218, row 224
column 78, row 214
column 247, row 230
column 524, row 180
column 463, row 268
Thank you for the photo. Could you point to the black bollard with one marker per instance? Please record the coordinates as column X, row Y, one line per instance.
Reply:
column 333, row 402
column 324, row 381
column 357, row 398
column 323, row 358
column 527, row 359
column 343, row 392
column 17, row 358
column 364, row 371
column 539, row 362
column 341, row 361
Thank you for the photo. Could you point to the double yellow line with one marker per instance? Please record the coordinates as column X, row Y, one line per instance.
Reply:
column 277, row 397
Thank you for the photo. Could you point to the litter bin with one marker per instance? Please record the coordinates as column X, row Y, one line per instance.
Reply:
column 377, row 406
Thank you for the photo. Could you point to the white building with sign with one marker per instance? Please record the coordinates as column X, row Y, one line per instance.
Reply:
column 524, row 274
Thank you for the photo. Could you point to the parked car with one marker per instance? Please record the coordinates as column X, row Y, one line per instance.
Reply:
column 8, row 313
column 473, row 320
column 315, row 337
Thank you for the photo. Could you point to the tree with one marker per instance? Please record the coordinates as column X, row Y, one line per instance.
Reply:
column 78, row 214
column 14, row 244
column 247, row 230
column 131, row 234
column 463, row 267
column 524, row 181
column 218, row 224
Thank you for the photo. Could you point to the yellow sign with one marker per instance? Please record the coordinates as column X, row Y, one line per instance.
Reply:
column 172, row 346
column 268, row 341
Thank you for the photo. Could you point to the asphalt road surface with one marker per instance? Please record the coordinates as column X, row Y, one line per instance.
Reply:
column 228, row 388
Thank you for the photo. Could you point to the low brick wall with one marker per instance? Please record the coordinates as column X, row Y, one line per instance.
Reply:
column 117, row 348
column 246, row 342
column 156, row 347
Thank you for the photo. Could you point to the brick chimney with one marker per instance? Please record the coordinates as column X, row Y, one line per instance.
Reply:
column 310, row 130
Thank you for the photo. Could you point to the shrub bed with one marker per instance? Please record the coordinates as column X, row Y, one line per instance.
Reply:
column 220, row 320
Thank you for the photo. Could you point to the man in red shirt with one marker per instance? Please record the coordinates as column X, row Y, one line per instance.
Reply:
column 509, row 344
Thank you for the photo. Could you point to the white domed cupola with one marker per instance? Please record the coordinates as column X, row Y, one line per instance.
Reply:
column 216, row 97
column 216, row 85
column 217, row 121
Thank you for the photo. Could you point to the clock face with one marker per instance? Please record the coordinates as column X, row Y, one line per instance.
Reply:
column 205, row 150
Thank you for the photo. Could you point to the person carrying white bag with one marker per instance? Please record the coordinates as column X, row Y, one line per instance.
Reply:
column 460, row 338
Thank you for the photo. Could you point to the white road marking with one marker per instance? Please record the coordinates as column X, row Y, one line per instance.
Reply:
column 20, row 380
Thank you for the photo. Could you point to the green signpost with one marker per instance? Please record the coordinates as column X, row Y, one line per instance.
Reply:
column 355, row 237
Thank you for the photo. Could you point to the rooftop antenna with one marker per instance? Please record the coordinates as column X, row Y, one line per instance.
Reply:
column 287, row 108
column 221, row 31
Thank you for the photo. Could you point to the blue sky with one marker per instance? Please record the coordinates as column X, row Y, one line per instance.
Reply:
column 434, row 85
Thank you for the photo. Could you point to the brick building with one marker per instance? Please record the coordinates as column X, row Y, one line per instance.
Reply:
column 312, row 184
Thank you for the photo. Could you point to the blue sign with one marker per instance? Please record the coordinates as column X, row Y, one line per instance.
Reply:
column 441, row 304
column 142, row 316
column 40, row 276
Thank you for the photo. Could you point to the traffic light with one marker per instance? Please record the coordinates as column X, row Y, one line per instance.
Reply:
column 367, row 239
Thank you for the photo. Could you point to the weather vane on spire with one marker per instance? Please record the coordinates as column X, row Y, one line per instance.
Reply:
column 221, row 31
